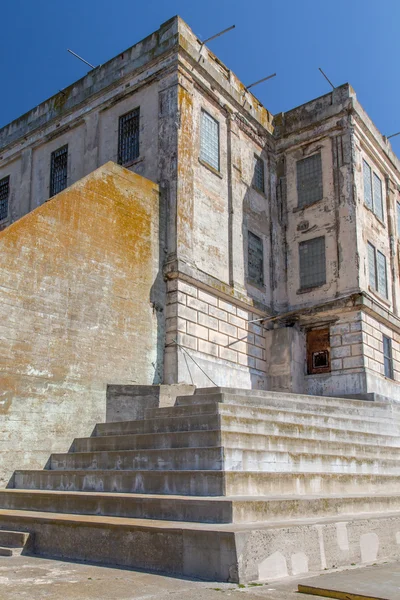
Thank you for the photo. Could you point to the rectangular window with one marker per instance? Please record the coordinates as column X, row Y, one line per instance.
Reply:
column 58, row 170
column 367, row 185
column 318, row 351
column 372, row 266
column 312, row 263
column 255, row 259
column 4, row 196
column 258, row 179
column 377, row 270
column 128, row 137
column 373, row 191
column 309, row 180
column 209, row 140
column 388, row 357
column 382, row 274
column 398, row 219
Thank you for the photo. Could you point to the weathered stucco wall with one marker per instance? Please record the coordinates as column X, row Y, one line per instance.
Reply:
column 79, row 277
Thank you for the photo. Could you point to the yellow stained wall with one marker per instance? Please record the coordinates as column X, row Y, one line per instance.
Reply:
column 76, row 280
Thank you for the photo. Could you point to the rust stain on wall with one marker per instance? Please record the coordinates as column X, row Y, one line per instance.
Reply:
column 75, row 314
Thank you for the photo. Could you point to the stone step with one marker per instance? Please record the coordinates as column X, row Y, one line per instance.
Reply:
column 211, row 551
column 184, row 423
column 140, row 441
column 196, row 509
column 293, row 397
column 241, row 420
column 269, row 435
column 13, row 539
column 364, row 410
column 242, row 416
column 323, row 445
column 6, row 551
column 208, row 483
column 164, row 459
column 218, row 458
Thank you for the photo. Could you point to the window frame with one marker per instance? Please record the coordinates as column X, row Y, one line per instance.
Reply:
column 375, row 271
column 303, row 204
column 6, row 181
column 258, row 282
column 258, row 161
column 373, row 179
column 57, row 153
column 204, row 159
column 388, row 357
column 309, row 286
column 135, row 114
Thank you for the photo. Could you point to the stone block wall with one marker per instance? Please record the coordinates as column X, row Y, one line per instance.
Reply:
column 205, row 324
column 79, row 284
column 373, row 332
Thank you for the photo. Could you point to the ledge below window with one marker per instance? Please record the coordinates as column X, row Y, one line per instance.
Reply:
column 310, row 289
column 379, row 297
column 210, row 168
column 131, row 163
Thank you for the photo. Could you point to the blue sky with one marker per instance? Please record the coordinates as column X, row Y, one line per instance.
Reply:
column 355, row 40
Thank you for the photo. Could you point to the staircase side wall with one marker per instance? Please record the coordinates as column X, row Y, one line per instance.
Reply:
column 80, row 306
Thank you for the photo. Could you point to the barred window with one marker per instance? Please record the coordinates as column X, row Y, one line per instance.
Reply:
column 255, row 259
column 312, row 263
column 58, row 170
column 209, row 140
column 373, row 191
column 258, row 178
column 128, row 137
column 387, row 357
column 367, row 185
column 398, row 219
column 372, row 266
column 378, row 203
column 382, row 274
column 377, row 270
column 309, row 180
column 4, row 196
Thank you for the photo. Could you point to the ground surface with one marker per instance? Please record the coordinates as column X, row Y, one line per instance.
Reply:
column 35, row 578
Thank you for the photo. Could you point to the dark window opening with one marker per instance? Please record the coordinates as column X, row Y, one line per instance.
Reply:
column 318, row 351
column 388, row 357
column 58, row 170
column 258, row 178
column 4, row 196
column 309, row 180
column 128, row 137
column 255, row 259
column 312, row 263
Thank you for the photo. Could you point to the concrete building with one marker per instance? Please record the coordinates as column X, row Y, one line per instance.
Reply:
column 279, row 235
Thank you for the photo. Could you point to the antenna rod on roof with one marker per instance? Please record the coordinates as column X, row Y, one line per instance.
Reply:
column 393, row 135
column 80, row 58
column 218, row 34
column 260, row 81
column 328, row 80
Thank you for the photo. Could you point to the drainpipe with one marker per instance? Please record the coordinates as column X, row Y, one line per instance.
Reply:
column 229, row 117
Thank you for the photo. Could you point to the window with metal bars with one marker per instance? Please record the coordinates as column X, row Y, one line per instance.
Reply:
column 309, row 180
column 255, row 259
column 58, row 170
column 388, row 357
column 373, row 191
column 312, row 263
column 377, row 270
column 209, row 140
column 258, row 178
column 4, row 196
column 128, row 137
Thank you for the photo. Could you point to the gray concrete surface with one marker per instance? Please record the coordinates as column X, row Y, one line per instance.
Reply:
column 28, row 577
column 380, row 582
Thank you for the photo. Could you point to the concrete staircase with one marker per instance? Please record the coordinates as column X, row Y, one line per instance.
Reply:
column 226, row 485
